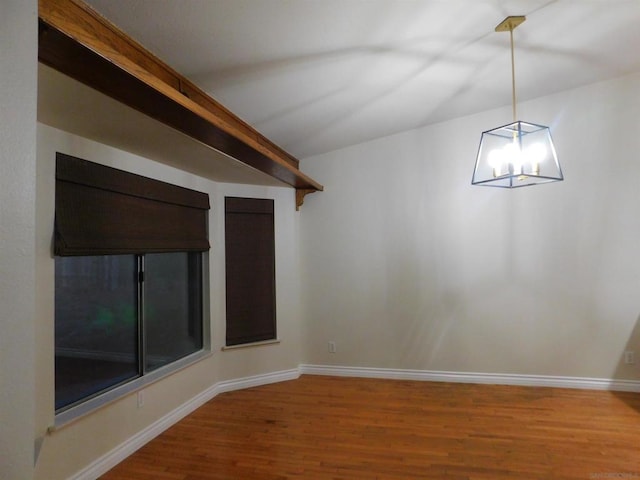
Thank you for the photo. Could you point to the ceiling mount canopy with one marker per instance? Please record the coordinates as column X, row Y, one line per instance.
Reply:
column 518, row 154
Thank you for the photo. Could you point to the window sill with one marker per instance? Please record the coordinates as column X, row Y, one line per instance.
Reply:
column 66, row 417
column 249, row 345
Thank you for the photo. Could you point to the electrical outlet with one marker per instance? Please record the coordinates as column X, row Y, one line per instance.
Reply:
column 332, row 347
column 629, row 357
column 140, row 399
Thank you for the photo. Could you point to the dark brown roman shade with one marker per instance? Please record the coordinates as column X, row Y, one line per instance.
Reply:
column 250, row 270
column 105, row 211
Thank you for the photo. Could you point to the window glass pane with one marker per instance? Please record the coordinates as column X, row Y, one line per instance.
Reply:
column 172, row 307
column 96, row 330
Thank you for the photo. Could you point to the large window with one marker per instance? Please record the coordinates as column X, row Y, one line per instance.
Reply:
column 128, row 277
column 119, row 317
column 250, row 270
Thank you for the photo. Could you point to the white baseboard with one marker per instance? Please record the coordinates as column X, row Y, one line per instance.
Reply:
column 471, row 377
column 118, row 454
column 122, row 451
column 257, row 380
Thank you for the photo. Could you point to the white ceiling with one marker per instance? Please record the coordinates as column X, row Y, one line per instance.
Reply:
column 317, row 75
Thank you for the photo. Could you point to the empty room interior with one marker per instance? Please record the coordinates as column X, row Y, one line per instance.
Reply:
column 263, row 239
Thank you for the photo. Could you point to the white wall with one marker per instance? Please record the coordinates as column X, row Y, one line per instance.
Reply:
column 76, row 445
column 18, row 54
column 406, row 265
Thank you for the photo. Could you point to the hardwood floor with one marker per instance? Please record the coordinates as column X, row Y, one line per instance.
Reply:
column 353, row 428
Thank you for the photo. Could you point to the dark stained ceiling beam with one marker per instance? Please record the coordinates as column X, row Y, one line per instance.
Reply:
column 80, row 43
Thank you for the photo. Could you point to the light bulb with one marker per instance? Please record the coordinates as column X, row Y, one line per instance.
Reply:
column 513, row 156
column 534, row 155
column 496, row 160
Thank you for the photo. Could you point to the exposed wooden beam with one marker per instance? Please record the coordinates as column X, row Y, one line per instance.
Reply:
column 77, row 41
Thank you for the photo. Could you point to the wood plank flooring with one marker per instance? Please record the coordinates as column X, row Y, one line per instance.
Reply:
column 352, row 428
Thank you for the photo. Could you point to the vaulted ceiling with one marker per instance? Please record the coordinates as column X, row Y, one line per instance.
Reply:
column 318, row 75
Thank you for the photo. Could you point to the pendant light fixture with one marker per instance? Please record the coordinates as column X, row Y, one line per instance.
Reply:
column 518, row 154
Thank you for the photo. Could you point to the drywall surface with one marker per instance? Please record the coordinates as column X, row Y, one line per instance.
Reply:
column 74, row 446
column 18, row 53
column 406, row 265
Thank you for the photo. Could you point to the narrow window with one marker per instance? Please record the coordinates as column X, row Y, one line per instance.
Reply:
column 250, row 270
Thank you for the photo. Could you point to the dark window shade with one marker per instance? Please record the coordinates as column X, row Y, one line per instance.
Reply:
column 250, row 270
column 105, row 211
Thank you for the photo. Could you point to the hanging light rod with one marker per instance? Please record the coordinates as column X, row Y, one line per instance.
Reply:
column 509, row 24
column 518, row 154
